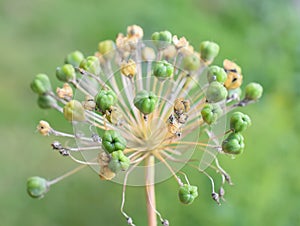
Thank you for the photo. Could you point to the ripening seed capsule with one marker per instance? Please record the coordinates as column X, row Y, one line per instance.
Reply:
column 209, row 50
column 163, row 69
column 162, row 39
column 113, row 141
column 216, row 92
column 66, row 73
column 216, row 73
column 191, row 62
column 253, row 91
column 37, row 187
column 74, row 58
column 187, row 193
column 233, row 144
column 118, row 162
column 145, row 101
column 211, row 112
column 239, row 122
column 74, row 111
column 106, row 48
column 105, row 99
column 91, row 64
column 41, row 84
column 46, row 102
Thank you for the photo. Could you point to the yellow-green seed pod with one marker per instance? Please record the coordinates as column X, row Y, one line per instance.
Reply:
column 41, row 84
column 191, row 62
column 187, row 193
column 118, row 162
column 37, row 187
column 216, row 73
column 66, row 73
column 253, row 91
column 216, row 92
column 91, row 64
column 209, row 50
column 106, row 48
column 74, row 111
column 233, row 144
column 74, row 58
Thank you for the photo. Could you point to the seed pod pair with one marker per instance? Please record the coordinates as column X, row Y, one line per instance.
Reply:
column 163, row 69
column 145, row 101
column 208, row 51
column 162, row 39
column 91, row 64
column 105, row 99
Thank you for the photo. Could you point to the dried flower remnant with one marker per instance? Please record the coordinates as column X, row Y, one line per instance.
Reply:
column 141, row 107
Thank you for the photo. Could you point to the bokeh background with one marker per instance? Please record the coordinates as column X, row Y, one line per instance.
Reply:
column 262, row 36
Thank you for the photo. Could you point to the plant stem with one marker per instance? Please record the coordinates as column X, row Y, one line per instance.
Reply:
column 150, row 190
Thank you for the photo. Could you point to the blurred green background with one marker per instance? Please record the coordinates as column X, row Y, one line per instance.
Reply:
column 262, row 36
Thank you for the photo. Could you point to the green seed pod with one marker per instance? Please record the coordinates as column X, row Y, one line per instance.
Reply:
column 118, row 162
column 113, row 141
column 37, row 187
column 107, row 48
column 216, row 73
column 66, row 73
column 239, row 122
column 187, row 193
column 191, row 62
column 211, row 112
column 163, row 69
column 233, row 144
column 162, row 39
column 74, row 58
column 209, row 50
column 46, row 102
column 253, row 91
column 74, row 111
column 91, row 64
column 145, row 101
column 105, row 99
column 216, row 92
column 41, row 84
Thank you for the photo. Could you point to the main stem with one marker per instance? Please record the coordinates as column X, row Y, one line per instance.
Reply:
column 150, row 190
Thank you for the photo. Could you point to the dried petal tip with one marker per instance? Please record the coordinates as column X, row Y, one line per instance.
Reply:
column 187, row 193
column 65, row 92
column 165, row 222
column 215, row 196
column 44, row 128
column 135, row 31
column 37, row 187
